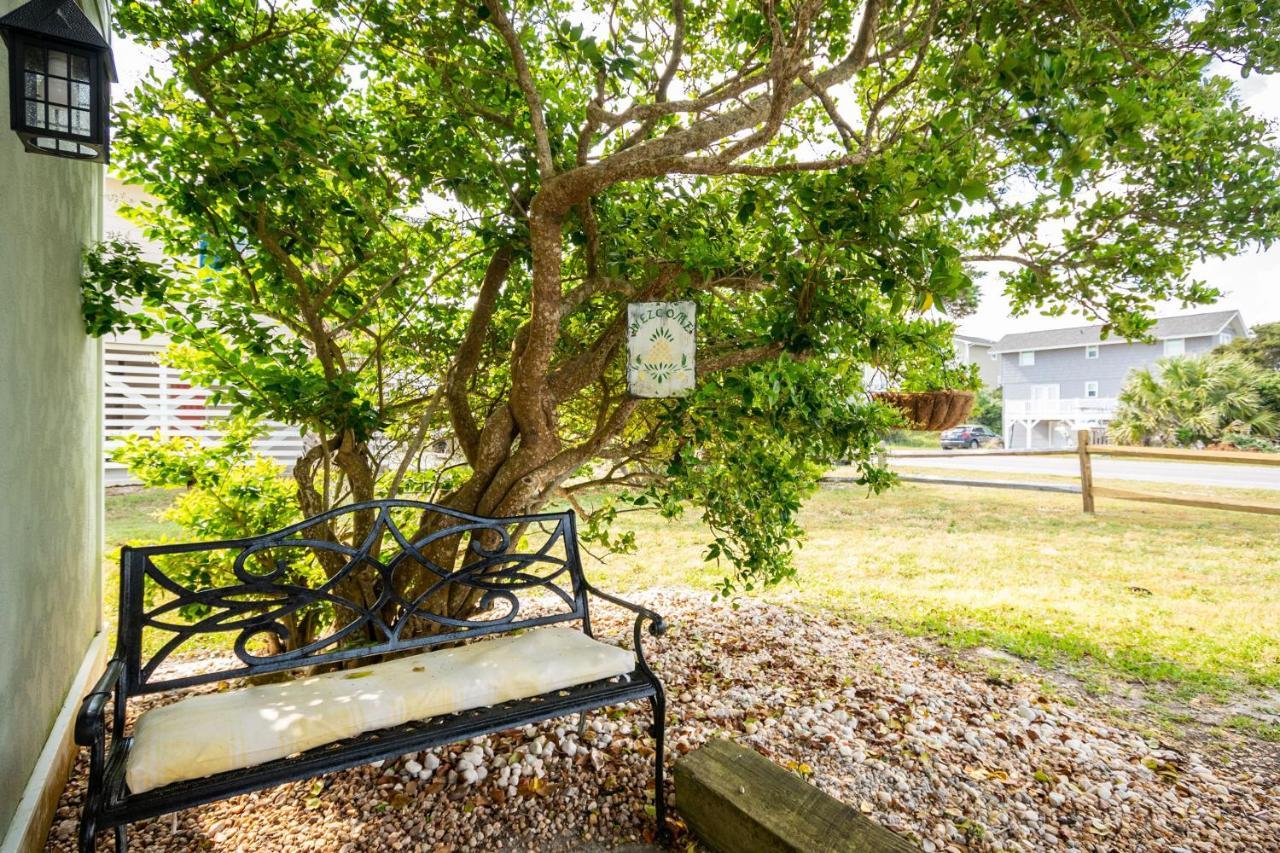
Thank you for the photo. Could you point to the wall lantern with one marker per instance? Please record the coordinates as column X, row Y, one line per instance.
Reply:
column 60, row 76
column 660, row 348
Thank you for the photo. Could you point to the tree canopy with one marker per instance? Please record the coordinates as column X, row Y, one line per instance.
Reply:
column 1262, row 346
column 427, row 218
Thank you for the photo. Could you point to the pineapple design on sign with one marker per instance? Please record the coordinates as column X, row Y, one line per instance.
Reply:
column 660, row 348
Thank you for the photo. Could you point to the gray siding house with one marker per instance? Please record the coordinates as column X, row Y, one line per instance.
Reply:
column 1063, row 380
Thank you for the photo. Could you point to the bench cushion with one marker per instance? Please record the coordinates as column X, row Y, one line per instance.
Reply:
column 215, row 732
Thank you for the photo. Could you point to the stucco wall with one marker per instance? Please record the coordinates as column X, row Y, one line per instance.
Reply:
column 50, row 486
column 1070, row 370
column 115, row 226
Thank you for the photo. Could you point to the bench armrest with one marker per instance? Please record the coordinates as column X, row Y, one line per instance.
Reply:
column 657, row 624
column 657, row 627
column 92, row 708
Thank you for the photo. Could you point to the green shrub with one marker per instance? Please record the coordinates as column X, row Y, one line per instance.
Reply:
column 988, row 409
column 231, row 492
column 1190, row 400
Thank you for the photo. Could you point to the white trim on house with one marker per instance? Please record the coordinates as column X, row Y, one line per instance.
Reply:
column 1174, row 347
column 1061, row 346
column 29, row 827
column 1027, row 358
column 1091, row 351
column 1236, row 315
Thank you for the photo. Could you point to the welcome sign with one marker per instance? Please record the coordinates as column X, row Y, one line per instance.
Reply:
column 660, row 348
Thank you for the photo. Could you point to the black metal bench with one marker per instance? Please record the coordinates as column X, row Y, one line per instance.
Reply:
column 264, row 601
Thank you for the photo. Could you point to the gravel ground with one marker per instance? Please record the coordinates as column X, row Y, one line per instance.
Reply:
column 919, row 744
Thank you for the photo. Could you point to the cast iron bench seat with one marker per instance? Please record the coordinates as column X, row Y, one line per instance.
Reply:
column 261, row 600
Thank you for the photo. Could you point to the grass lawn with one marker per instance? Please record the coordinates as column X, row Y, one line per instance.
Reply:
column 1143, row 592
column 1183, row 599
column 131, row 518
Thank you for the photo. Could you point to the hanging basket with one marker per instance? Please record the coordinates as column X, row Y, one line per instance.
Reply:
column 930, row 411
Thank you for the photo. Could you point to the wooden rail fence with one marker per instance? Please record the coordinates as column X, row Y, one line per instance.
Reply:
column 1085, row 451
column 1089, row 491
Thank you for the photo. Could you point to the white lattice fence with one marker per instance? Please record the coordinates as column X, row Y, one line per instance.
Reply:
column 140, row 395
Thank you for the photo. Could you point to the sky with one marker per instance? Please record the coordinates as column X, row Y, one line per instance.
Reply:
column 1250, row 283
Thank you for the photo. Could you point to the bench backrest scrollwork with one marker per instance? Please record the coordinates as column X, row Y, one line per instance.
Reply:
column 395, row 590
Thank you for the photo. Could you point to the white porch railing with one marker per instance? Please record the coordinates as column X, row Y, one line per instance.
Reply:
column 142, row 396
column 1075, row 409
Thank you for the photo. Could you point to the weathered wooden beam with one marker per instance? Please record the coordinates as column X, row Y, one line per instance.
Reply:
column 1197, row 503
column 1177, row 454
column 1086, row 469
column 969, row 454
column 737, row 801
column 963, row 481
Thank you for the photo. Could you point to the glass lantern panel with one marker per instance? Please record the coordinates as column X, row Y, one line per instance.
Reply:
column 33, row 85
column 80, row 122
column 35, row 114
column 57, row 91
column 48, row 143
column 76, row 149
column 79, row 68
column 80, row 95
column 33, row 59
column 57, row 63
column 59, row 119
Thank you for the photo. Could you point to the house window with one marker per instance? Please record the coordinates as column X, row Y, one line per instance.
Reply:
column 1226, row 338
column 1175, row 346
column 1091, row 351
column 1027, row 358
column 1091, row 390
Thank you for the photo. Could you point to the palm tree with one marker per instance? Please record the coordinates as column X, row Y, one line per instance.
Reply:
column 1185, row 400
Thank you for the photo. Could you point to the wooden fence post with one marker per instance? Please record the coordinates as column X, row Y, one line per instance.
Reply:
column 1086, row 469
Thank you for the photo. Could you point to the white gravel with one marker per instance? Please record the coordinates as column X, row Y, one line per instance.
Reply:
column 917, row 743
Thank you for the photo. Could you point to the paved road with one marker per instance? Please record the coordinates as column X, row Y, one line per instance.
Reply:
column 1192, row 473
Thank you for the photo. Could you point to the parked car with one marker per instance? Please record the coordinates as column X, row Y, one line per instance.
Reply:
column 970, row 436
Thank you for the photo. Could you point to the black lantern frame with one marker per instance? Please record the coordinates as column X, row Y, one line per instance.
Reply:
column 60, row 75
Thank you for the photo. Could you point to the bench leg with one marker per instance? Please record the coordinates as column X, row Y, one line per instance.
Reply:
column 89, row 837
column 659, row 703
column 88, row 834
